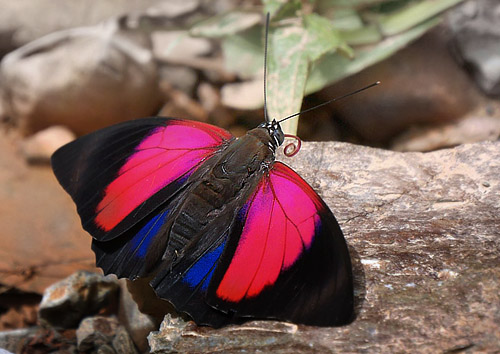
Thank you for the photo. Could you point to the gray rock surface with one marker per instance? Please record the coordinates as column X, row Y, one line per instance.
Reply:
column 101, row 334
column 84, row 78
column 476, row 39
column 66, row 302
column 421, row 84
column 423, row 231
column 11, row 341
column 136, row 323
column 479, row 125
column 21, row 20
column 39, row 147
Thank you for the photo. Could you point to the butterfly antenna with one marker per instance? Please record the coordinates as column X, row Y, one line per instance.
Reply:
column 327, row 102
column 265, row 68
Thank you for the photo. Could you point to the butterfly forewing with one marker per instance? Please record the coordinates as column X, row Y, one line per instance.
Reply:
column 119, row 175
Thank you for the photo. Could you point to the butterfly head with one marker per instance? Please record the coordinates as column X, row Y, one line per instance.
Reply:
column 274, row 130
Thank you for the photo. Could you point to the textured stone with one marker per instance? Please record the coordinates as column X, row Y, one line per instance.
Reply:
column 473, row 128
column 476, row 41
column 83, row 78
column 137, row 324
column 421, row 84
column 23, row 21
column 39, row 147
column 12, row 340
column 422, row 229
column 178, row 46
column 65, row 303
column 48, row 340
column 95, row 332
column 123, row 344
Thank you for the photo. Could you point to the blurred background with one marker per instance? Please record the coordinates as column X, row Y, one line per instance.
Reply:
column 71, row 67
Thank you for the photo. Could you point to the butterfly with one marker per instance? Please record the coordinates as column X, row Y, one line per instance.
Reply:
column 226, row 232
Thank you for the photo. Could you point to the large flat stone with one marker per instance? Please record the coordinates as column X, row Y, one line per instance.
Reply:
column 423, row 230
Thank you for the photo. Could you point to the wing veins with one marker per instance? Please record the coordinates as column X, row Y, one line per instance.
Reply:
column 286, row 216
column 138, row 246
column 140, row 179
column 264, row 251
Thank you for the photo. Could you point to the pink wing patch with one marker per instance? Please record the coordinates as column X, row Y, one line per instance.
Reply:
column 281, row 218
column 169, row 153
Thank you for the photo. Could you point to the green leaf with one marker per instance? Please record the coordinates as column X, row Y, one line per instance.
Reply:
column 281, row 8
column 291, row 49
column 226, row 24
column 333, row 67
column 355, row 3
column 244, row 53
column 273, row 6
column 287, row 73
column 346, row 19
column 404, row 19
column 322, row 36
column 362, row 36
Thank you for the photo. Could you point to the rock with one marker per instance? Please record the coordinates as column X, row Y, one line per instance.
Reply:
column 95, row 332
column 173, row 8
column 209, row 96
column 42, row 237
column 179, row 77
column 474, row 128
column 137, row 324
column 476, row 41
column 48, row 340
column 23, row 21
column 421, row 84
column 39, row 147
column 123, row 344
column 12, row 341
column 181, row 105
column 422, row 229
column 65, row 303
column 104, row 335
column 178, row 46
column 243, row 95
column 98, row 76
column 147, row 301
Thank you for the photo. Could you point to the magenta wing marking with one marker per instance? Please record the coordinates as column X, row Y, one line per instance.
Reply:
column 280, row 222
column 169, row 153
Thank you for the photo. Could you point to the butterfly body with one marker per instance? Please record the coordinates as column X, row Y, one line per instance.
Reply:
column 214, row 190
column 225, row 232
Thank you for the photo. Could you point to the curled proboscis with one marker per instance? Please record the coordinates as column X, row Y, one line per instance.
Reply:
column 291, row 149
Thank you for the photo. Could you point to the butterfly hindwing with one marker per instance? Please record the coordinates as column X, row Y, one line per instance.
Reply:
column 280, row 254
column 133, row 254
column 119, row 175
column 286, row 257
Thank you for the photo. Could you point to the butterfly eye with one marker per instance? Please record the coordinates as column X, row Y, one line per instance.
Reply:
column 278, row 136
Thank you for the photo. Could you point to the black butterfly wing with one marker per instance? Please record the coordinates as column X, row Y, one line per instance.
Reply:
column 127, row 178
column 119, row 175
